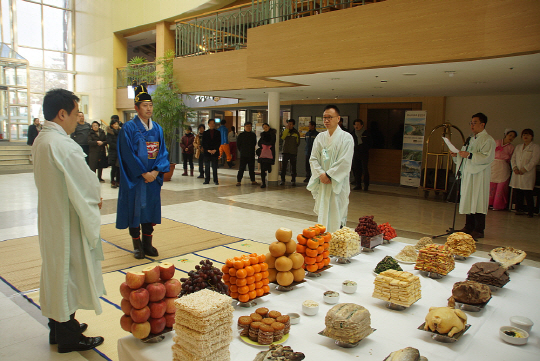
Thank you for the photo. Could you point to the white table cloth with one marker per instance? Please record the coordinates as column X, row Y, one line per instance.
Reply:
column 395, row 329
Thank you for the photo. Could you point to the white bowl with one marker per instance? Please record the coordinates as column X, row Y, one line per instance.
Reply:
column 514, row 340
column 294, row 318
column 349, row 288
column 310, row 310
column 331, row 297
column 521, row 322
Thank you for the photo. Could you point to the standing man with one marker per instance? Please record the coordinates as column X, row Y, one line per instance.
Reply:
column 211, row 142
column 80, row 135
column 246, row 142
column 291, row 141
column 476, row 155
column 33, row 131
column 330, row 162
column 310, row 138
column 224, row 147
column 68, row 225
column 362, row 143
column 143, row 159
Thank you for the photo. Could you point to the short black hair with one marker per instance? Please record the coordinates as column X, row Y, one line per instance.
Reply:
column 223, row 121
column 189, row 128
column 113, row 122
column 115, row 117
column 56, row 100
column 359, row 121
column 331, row 106
column 291, row 121
column 481, row 116
column 527, row 131
column 233, row 128
column 312, row 122
column 211, row 120
column 247, row 123
column 201, row 126
column 95, row 121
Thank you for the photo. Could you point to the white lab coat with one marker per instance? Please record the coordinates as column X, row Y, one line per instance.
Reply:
column 333, row 155
column 525, row 157
column 68, row 225
column 476, row 174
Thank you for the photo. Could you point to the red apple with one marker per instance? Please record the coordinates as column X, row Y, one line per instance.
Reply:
column 157, row 309
column 173, row 287
column 135, row 279
column 157, row 324
column 126, row 322
column 125, row 290
column 141, row 315
column 139, row 298
column 171, row 308
column 166, row 270
column 140, row 330
column 169, row 319
column 126, row 306
column 157, row 291
column 151, row 274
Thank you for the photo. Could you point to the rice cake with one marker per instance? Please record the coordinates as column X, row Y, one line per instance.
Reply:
column 347, row 322
column 401, row 288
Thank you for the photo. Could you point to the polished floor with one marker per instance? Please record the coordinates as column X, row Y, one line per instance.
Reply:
column 246, row 211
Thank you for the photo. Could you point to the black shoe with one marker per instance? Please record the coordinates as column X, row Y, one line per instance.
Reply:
column 281, row 183
column 530, row 215
column 101, row 181
column 263, row 186
column 306, row 180
column 201, row 177
column 148, row 249
column 357, row 188
column 216, row 183
column 520, row 213
column 238, row 184
column 137, row 246
column 52, row 335
column 84, row 344
column 205, row 182
column 365, row 189
column 293, row 184
column 477, row 235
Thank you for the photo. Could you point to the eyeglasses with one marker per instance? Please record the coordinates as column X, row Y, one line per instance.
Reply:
column 327, row 118
column 474, row 123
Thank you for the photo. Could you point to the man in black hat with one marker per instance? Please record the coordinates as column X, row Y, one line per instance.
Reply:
column 143, row 159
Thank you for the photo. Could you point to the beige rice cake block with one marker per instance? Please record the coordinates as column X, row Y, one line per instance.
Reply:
column 220, row 331
column 401, row 288
column 182, row 354
column 205, row 324
column 347, row 322
column 203, row 348
column 203, row 303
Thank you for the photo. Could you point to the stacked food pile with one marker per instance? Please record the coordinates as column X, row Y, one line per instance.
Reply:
column 203, row 327
column 204, row 276
column 507, row 256
column 344, row 243
column 407, row 254
column 406, row 354
column 469, row 292
column 461, row 244
column 279, row 353
column 285, row 265
column 264, row 326
column 246, row 276
column 347, row 322
column 388, row 231
column 445, row 320
column 401, row 288
column 313, row 245
column 435, row 258
column 386, row 264
column 366, row 229
column 422, row 242
column 148, row 300
column 488, row 273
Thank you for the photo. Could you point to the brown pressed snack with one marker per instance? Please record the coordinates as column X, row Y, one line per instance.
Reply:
column 245, row 320
column 277, row 326
column 263, row 311
column 266, row 328
column 268, row 321
column 256, row 325
column 274, row 314
column 283, row 319
column 256, row 317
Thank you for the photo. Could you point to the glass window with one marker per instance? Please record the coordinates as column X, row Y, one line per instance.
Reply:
column 57, row 29
column 36, row 104
column 22, row 95
column 6, row 23
column 36, row 81
column 59, row 3
column 34, row 56
column 29, row 24
column 58, row 80
column 9, row 76
column 56, row 60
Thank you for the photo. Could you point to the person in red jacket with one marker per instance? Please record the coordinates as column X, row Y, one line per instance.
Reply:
column 187, row 150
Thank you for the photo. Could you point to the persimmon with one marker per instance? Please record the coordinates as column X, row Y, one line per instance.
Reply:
column 229, row 262
column 225, row 269
column 250, row 280
column 300, row 248
column 264, row 266
column 320, row 265
column 326, row 245
column 312, row 244
column 319, row 239
column 311, row 252
column 258, row 284
column 317, row 230
column 264, row 274
column 243, row 289
column 241, row 282
column 266, row 289
column 326, row 254
column 258, row 276
column 233, row 288
column 234, row 295
column 239, row 264
column 251, row 287
column 241, row 273
column 319, row 258
column 250, row 271
column 301, row 239
column 304, row 265
column 232, row 272
column 309, row 232
column 262, row 258
column 320, row 249
column 252, row 294
column 233, row 280
column 265, row 281
column 226, row 277
column 327, row 237
column 310, row 260
column 257, row 268
column 259, row 291
column 312, row 268
column 321, row 228
column 326, row 261
column 243, row 298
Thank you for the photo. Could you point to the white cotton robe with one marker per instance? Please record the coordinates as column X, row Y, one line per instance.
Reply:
column 476, row 174
column 525, row 158
column 333, row 155
column 68, row 224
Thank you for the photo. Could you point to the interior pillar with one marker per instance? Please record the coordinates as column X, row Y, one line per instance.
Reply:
column 273, row 121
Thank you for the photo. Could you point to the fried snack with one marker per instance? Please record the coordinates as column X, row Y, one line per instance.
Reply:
column 507, row 256
column 401, row 288
column 461, row 244
column 345, row 243
column 435, row 258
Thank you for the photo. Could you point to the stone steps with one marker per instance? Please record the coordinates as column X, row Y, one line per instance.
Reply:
column 15, row 157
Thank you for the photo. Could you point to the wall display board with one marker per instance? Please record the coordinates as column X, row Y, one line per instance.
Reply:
column 413, row 143
column 320, row 124
column 303, row 126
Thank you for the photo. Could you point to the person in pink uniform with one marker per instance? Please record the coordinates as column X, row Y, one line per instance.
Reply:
column 500, row 171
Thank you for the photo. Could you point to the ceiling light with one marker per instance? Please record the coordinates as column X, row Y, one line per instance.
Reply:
column 384, row 81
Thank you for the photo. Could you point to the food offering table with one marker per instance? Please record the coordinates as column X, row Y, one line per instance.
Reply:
column 395, row 329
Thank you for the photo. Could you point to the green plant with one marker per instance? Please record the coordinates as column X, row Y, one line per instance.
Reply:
column 139, row 69
column 170, row 112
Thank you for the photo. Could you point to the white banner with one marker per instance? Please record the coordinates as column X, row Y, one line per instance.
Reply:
column 413, row 146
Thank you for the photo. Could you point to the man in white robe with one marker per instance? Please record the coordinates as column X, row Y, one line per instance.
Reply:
column 330, row 162
column 68, row 224
column 477, row 155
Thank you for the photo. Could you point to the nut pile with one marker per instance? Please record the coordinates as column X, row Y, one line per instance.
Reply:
column 407, row 254
column 401, row 288
column 424, row 241
column 461, row 244
column 344, row 243
column 435, row 258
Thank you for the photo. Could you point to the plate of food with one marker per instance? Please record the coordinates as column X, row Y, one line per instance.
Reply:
column 247, row 340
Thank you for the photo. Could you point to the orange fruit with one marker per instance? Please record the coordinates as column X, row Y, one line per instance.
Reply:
column 258, row 284
column 259, row 292
column 258, row 276
column 226, row 277
column 250, row 270
column 238, row 264
column 256, row 268
column 264, row 274
column 319, row 258
column 241, row 282
column 241, row 273
column 246, row 262
column 301, row 239
column 250, row 280
column 262, row 258
column 225, row 269
column 243, row 290
column 264, row 266
column 300, row 248
column 313, row 244
column 320, row 265
column 326, row 245
column 326, row 261
column 320, row 249
column 326, row 254
column 311, row 252
column 237, row 258
column 321, row 228
column 229, row 262
column 232, row 271
column 310, row 260
column 312, row 268
column 233, row 288
column 252, row 287
column 252, row 294
column 234, row 295
column 265, row 281
column 253, row 260
column 309, row 232
column 243, row 298
column 233, row 280
column 266, row 289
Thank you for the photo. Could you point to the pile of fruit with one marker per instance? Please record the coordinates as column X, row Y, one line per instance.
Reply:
column 313, row 244
column 388, row 231
column 284, row 263
column 367, row 227
column 204, row 276
column 148, row 300
column 246, row 276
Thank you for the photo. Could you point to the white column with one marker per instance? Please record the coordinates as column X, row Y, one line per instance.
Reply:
column 273, row 121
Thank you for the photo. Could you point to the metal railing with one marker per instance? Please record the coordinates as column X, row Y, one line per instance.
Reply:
column 143, row 72
column 227, row 29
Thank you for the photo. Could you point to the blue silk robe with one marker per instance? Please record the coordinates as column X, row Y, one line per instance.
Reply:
column 140, row 151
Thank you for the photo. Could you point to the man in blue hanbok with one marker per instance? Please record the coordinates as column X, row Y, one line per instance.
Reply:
column 143, row 159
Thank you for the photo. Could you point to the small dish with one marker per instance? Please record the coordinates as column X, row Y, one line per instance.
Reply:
column 513, row 339
column 310, row 308
column 294, row 318
column 349, row 286
column 521, row 322
column 331, row 297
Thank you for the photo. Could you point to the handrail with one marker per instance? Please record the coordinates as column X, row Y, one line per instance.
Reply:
column 140, row 72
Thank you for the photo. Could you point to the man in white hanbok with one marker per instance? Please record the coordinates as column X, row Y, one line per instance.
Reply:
column 475, row 159
column 68, row 224
column 330, row 162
